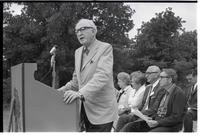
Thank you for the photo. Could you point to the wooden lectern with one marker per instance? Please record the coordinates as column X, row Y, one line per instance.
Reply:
column 37, row 107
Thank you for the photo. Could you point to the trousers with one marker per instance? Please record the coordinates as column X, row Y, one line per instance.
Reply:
column 89, row 127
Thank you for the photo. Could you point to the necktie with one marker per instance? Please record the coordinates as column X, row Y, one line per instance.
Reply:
column 86, row 50
column 120, row 94
column 147, row 99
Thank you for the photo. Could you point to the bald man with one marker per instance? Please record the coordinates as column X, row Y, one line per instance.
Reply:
column 92, row 80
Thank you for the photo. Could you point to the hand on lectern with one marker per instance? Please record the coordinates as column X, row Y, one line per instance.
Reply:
column 70, row 96
column 61, row 89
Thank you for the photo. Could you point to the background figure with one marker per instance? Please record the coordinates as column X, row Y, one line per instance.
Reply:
column 169, row 115
column 191, row 113
column 125, row 92
column 93, row 78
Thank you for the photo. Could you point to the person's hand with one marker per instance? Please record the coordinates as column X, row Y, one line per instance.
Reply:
column 147, row 118
column 152, row 123
column 127, row 109
column 61, row 89
column 70, row 96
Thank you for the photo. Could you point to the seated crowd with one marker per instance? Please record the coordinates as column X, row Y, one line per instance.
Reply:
column 152, row 102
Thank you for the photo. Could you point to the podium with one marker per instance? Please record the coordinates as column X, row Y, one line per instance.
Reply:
column 37, row 107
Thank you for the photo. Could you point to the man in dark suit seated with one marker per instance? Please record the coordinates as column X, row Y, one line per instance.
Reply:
column 191, row 113
column 169, row 115
column 151, row 99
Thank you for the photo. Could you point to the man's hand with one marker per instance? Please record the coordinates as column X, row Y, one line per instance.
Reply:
column 152, row 123
column 61, row 89
column 70, row 96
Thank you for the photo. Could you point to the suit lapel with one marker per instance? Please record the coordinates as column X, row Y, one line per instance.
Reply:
column 90, row 56
column 79, row 61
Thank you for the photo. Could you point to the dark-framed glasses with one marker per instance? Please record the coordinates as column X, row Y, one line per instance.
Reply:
column 148, row 73
column 164, row 77
column 82, row 29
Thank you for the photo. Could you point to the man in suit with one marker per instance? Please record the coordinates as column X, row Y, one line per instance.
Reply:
column 93, row 80
column 191, row 113
column 169, row 115
column 151, row 99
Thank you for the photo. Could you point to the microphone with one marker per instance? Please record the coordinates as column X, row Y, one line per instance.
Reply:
column 53, row 53
column 53, row 50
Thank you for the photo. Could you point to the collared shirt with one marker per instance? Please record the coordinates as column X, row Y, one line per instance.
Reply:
column 151, row 92
column 135, row 101
column 123, row 101
column 90, row 49
column 153, row 86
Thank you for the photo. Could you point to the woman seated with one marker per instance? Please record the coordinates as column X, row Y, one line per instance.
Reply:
column 125, row 92
column 138, row 82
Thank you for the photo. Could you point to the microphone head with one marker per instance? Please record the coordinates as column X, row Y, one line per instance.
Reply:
column 53, row 50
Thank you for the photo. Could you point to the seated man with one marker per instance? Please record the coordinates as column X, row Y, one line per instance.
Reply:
column 150, row 101
column 191, row 113
column 169, row 115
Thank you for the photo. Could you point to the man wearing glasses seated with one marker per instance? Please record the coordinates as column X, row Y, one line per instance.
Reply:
column 150, row 101
column 169, row 115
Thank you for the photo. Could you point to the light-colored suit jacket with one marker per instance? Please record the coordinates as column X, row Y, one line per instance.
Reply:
column 95, row 81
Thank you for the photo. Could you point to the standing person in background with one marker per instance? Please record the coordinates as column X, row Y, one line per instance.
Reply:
column 92, row 80
column 191, row 113
column 125, row 92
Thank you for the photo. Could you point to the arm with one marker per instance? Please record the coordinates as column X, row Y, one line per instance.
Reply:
column 102, row 74
column 71, row 85
column 139, row 114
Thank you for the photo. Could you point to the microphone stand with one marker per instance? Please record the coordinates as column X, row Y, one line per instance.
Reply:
column 53, row 64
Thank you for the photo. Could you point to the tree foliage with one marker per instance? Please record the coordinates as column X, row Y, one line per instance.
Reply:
column 162, row 41
column 29, row 36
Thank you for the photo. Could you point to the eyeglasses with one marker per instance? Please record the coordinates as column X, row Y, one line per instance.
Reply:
column 148, row 73
column 82, row 29
column 164, row 77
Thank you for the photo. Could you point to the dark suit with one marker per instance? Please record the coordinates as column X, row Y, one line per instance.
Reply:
column 154, row 100
column 171, row 122
column 191, row 113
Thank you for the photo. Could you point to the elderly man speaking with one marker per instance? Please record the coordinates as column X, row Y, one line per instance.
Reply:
column 92, row 81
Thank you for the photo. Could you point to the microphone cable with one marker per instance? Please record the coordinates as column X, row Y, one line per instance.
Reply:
column 46, row 74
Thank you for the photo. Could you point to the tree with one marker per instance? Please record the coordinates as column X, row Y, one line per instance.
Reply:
column 160, row 42
column 30, row 36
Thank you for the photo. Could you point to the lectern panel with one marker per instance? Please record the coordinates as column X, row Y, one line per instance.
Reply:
column 43, row 106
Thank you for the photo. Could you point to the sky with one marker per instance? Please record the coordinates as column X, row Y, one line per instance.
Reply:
column 146, row 11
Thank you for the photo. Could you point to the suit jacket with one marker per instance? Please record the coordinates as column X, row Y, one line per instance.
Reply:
column 94, row 80
column 154, row 100
column 175, row 109
column 192, row 100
